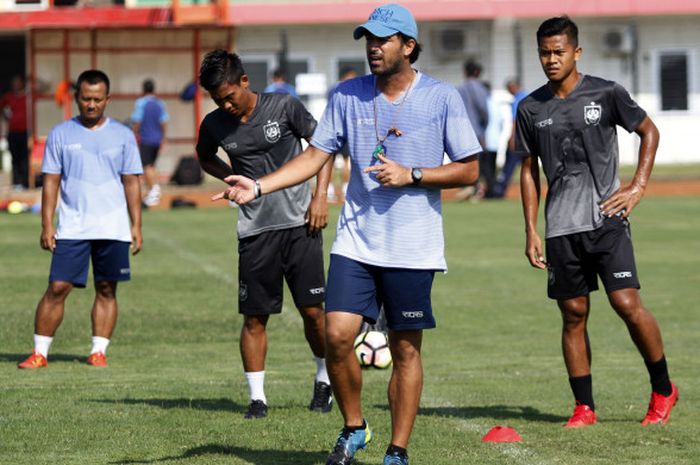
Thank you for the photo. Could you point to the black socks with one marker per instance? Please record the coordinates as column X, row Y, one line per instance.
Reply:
column 582, row 387
column 658, row 375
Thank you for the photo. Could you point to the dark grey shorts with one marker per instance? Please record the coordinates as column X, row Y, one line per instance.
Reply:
column 267, row 259
column 576, row 260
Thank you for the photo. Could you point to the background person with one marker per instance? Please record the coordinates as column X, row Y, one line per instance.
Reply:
column 94, row 161
column 278, row 236
column 389, row 240
column 342, row 162
column 149, row 120
column 13, row 106
column 512, row 157
column 279, row 85
column 570, row 124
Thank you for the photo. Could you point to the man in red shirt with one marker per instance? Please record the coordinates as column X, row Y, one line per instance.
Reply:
column 13, row 106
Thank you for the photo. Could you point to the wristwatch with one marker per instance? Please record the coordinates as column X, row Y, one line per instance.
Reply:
column 416, row 175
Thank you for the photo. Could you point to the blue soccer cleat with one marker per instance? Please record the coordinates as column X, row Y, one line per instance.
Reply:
column 396, row 459
column 348, row 443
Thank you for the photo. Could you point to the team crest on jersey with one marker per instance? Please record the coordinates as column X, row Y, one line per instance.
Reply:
column 272, row 131
column 592, row 113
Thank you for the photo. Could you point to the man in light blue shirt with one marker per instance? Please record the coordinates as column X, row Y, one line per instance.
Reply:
column 149, row 120
column 94, row 162
column 397, row 124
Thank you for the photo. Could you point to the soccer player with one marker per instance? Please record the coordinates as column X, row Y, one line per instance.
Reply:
column 398, row 123
column 278, row 236
column 150, row 119
column 94, row 161
column 570, row 125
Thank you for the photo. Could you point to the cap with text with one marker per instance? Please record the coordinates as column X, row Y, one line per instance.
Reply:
column 388, row 20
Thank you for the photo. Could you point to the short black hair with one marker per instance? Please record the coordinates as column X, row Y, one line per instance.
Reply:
column 279, row 74
column 218, row 67
column 413, row 57
column 472, row 68
column 148, row 86
column 92, row 76
column 557, row 26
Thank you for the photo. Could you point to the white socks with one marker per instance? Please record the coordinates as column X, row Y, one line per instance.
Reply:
column 321, row 372
column 256, row 382
column 99, row 344
column 42, row 344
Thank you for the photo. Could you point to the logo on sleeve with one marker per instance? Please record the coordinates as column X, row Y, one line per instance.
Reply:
column 272, row 131
column 591, row 114
column 622, row 274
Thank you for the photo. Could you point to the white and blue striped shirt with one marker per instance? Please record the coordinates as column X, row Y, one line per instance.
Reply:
column 394, row 227
column 91, row 163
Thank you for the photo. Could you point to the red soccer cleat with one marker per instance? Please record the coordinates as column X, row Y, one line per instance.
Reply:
column 660, row 407
column 36, row 360
column 97, row 359
column 583, row 416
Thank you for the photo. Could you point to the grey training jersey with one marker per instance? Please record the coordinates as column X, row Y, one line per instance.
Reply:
column 270, row 138
column 576, row 140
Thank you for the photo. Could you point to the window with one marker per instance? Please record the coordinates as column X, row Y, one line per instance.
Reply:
column 673, row 69
column 258, row 72
column 357, row 64
column 295, row 67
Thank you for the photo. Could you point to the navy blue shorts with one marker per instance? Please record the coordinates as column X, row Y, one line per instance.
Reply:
column 71, row 260
column 359, row 288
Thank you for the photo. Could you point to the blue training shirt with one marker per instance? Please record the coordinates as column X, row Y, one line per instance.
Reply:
column 150, row 113
column 91, row 163
column 384, row 226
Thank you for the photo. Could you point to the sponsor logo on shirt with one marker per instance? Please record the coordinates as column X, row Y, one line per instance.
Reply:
column 622, row 274
column 317, row 290
column 591, row 113
column 77, row 146
column 272, row 131
column 231, row 146
column 412, row 314
column 544, row 123
column 364, row 121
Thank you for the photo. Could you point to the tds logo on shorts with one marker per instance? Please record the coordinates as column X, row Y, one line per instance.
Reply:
column 412, row 314
column 272, row 131
column 317, row 290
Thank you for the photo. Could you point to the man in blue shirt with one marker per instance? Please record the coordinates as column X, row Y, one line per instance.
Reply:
column 397, row 124
column 149, row 119
column 279, row 85
column 95, row 163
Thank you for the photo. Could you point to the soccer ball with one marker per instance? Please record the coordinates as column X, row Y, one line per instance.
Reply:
column 372, row 350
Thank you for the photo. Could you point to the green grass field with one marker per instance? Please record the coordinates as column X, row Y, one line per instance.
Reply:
column 175, row 394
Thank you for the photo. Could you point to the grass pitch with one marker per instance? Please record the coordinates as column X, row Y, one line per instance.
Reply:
column 174, row 392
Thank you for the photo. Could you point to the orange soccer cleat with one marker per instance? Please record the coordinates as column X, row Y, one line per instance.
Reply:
column 36, row 360
column 97, row 359
column 583, row 416
column 660, row 407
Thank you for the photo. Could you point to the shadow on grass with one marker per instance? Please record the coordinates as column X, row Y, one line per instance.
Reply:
column 494, row 412
column 254, row 456
column 221, row 404
column 52, row 357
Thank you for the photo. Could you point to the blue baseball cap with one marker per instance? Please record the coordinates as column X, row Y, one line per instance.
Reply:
column 388, row 20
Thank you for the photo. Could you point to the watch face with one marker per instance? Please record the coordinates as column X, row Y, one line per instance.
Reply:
column 417, row 175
